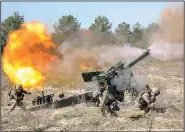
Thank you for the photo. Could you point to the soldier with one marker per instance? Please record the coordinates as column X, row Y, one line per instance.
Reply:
column 16, row 96
column 106, row 101
column 147, row 98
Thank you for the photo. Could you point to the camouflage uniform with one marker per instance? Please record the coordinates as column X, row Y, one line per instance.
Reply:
column 16, row 96
column 147, row 99
column 107, row 102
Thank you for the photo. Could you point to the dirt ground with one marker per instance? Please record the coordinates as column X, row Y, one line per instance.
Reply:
column 168, row 76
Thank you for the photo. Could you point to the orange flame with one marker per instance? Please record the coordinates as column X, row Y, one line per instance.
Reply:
column 90, row 65
column 27, row 55
column 85, row 67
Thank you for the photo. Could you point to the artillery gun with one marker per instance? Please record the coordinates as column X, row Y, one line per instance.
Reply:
column 107, row 78
column 94, row 79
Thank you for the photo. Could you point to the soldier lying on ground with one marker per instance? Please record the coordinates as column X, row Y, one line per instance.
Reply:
column 16, row 96
column 106, row 101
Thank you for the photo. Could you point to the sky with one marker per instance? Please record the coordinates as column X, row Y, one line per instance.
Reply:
column 117, row 12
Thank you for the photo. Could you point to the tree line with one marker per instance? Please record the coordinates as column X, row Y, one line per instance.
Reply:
column 68, row 25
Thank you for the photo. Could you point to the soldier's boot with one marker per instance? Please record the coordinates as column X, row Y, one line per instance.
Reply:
column 114, row 114
column 147, row 111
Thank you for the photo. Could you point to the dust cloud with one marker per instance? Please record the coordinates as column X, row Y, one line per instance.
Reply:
column 90, row 51
column 76, row 60
column 168, row 42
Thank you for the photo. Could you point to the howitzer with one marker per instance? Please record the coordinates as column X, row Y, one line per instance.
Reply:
column 114, row 71
column 96, row 78
column 120, row 66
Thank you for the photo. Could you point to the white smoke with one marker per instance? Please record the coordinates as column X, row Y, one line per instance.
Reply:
column 96, row 56
column 138, row 82
column 167, row 51
column 126, row 80
column 112, row 54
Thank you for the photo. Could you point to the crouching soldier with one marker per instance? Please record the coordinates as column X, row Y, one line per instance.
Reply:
column 16, row 96
column 106, row 101
column 147, row 98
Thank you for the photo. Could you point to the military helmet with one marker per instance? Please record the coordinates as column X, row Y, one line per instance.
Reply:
column 101, row 85
column 155, row 91
column 19, row 87
column 146, row 88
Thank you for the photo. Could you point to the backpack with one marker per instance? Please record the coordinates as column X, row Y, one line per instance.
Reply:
column 141, row 100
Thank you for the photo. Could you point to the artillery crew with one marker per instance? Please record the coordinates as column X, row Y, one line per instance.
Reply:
column 16, row 96
column 103, row 99
column 147, row 98
column 106, row 101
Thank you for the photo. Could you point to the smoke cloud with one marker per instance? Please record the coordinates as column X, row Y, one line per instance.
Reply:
column 167, row 51
column 125, row 79
column 168, row 42
column 88, row 50
column 76, row 60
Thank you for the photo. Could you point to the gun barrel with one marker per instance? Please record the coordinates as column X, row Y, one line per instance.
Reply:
column 132, row 63
column 114, row 68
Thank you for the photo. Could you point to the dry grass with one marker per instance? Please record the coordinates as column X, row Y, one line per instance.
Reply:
column 167, row 76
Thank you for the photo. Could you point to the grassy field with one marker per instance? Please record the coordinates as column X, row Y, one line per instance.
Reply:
column 168, row 76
